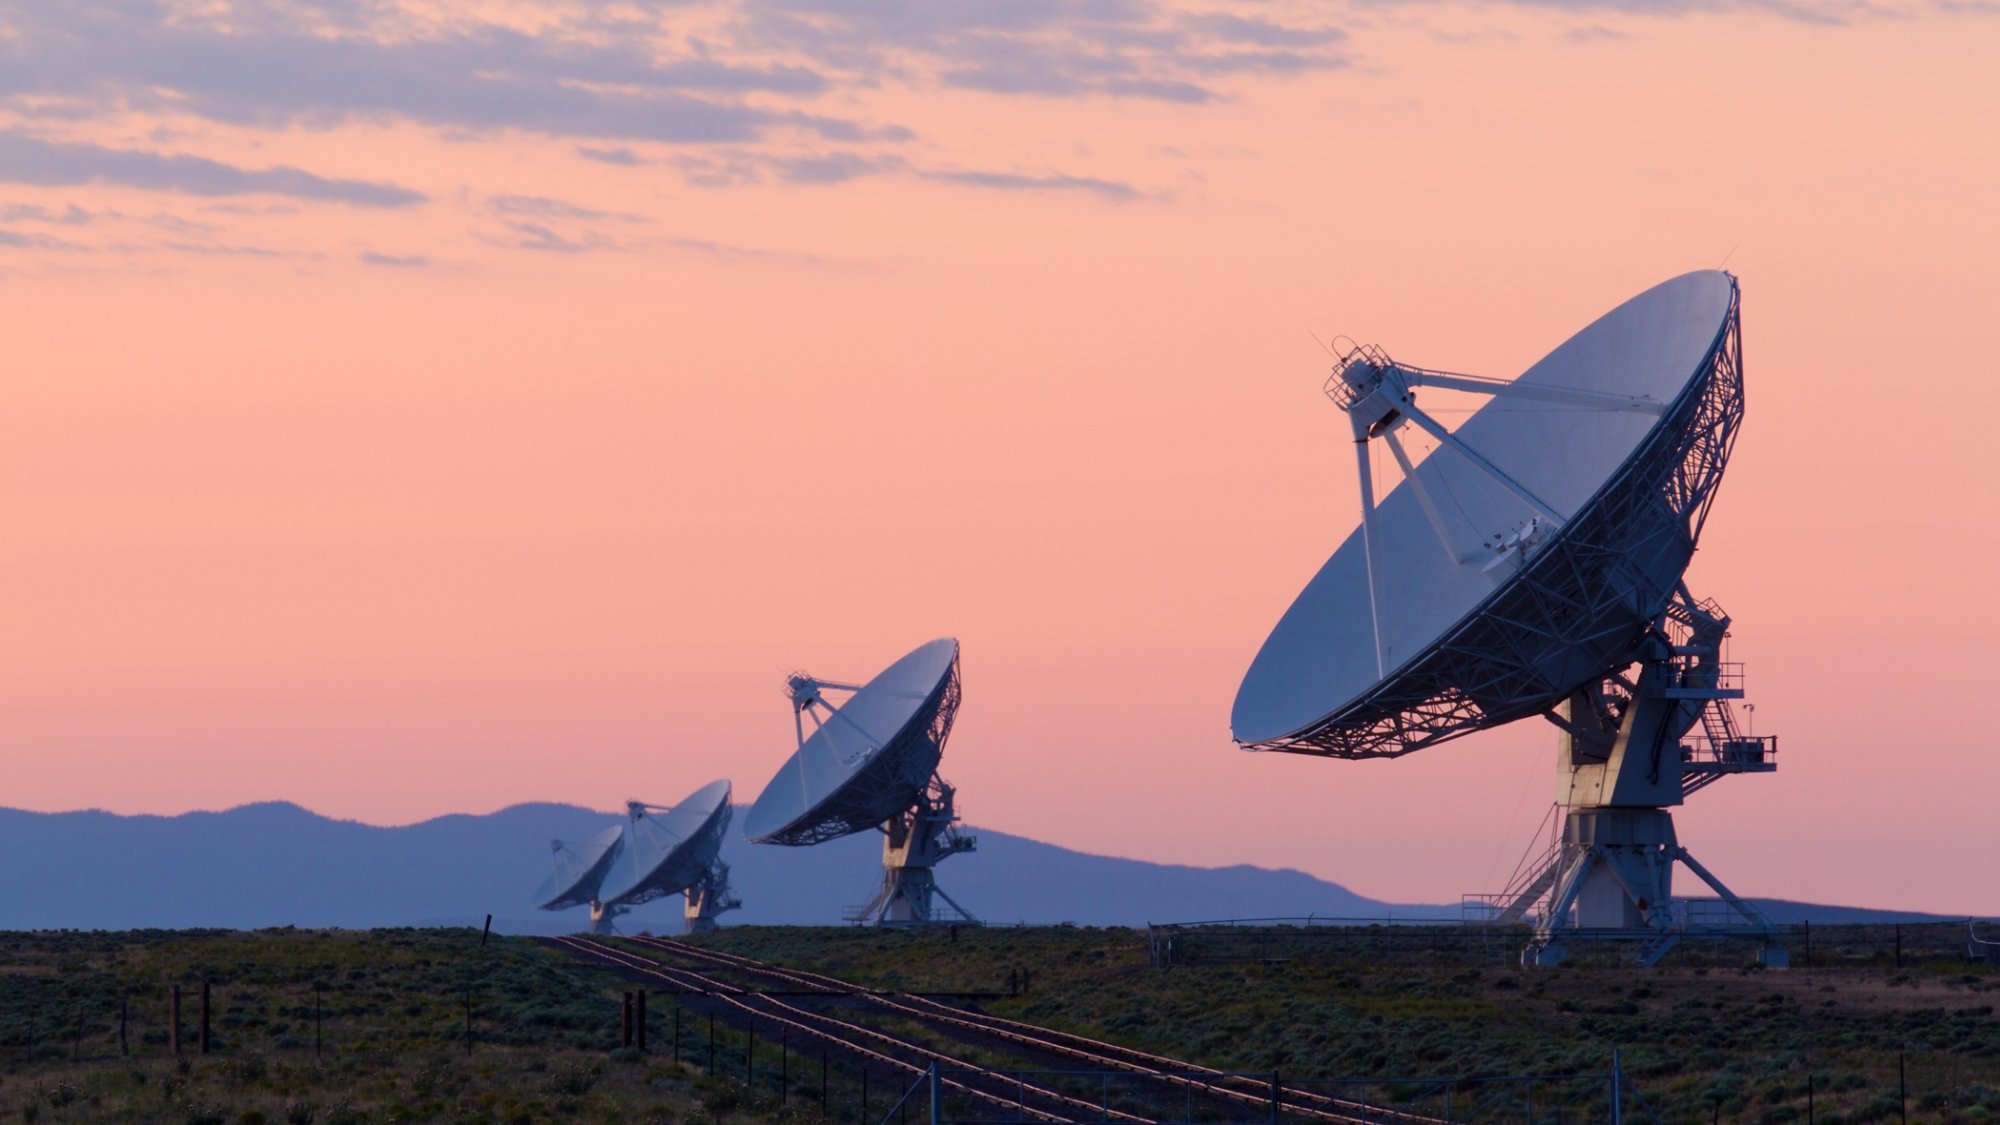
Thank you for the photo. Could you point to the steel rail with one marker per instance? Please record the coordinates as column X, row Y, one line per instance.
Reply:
column 679, row 977
column 738, row 998
column 1081, row 1047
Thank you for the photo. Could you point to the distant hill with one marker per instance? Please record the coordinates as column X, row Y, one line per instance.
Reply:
column 277, row 864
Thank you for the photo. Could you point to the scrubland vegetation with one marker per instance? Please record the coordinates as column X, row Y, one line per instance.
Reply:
column 389, row 1043
column 339, row 1028
column 1704, row 1037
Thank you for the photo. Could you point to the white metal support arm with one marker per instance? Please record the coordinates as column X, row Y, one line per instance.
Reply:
column 1533, row 392
column 1371, row 543
column 1445, row 437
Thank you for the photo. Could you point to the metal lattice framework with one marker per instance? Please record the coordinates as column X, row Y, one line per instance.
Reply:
column 892, row 781
column 1582, row 604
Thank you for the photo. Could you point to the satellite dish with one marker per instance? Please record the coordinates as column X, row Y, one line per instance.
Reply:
column 675, row 850
column 580, row 870
column 646, row 858
column 1522, row 569
column 871, row 763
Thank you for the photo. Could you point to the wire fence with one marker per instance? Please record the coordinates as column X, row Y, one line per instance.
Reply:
column 966, row 1097
column 1889, row 946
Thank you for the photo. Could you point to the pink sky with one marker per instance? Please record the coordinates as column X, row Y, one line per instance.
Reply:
column 430, row 408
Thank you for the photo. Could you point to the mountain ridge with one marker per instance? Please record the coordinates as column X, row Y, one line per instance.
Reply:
column 276, row 863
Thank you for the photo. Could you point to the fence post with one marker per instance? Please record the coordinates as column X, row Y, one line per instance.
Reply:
column 1617, row 1088
column 639, row 1020
column 937, row 1108
column 174, row 1022
column 204, row 1017
column 124, row 1011
column 1902, row 1083
column 1275, row 1095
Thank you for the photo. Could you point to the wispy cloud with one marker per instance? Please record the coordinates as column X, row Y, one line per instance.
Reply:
column 522, row 235
column 1257, row 31
column 414, row 261
column 1827, row 13
column 634, row 73
column 730, row 169
column 26, row 159
column 214, row 250
column 542, row 207
column 273, row 65
column 623, row 157
column 1011, row 181
column 71, row 215
column 1044, row 48
column 18, row 240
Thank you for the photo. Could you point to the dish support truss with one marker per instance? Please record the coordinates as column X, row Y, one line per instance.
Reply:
column 709, row 898
column 1590, row 584
column 913, row 843
column 1628, row 751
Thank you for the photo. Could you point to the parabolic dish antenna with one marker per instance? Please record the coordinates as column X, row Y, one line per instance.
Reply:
column 675, row 850
column 1522, row 569
column 871, row 763
column 648, row 857
column 580, row 870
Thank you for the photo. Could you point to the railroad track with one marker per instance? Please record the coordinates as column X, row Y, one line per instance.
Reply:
column 1079, row 1049
column 1012, row 1094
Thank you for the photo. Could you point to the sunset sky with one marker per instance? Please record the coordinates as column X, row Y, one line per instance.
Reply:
column 424, row 406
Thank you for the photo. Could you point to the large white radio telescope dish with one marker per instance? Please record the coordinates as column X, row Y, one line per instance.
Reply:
column 672, row 849
column 869, row 759
column 1527, row 567
column 1588, row 474
column 871, row 763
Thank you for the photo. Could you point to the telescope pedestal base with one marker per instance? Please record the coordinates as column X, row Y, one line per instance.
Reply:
column 708, row 899
column 601, row 914
column 1612, row 879
column 911, row 845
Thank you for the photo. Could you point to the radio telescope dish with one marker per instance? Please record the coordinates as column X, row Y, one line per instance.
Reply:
column 675, row 850
column 1520, row 569
column 1570, row 503
column 580, row 870
column 869, row 763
